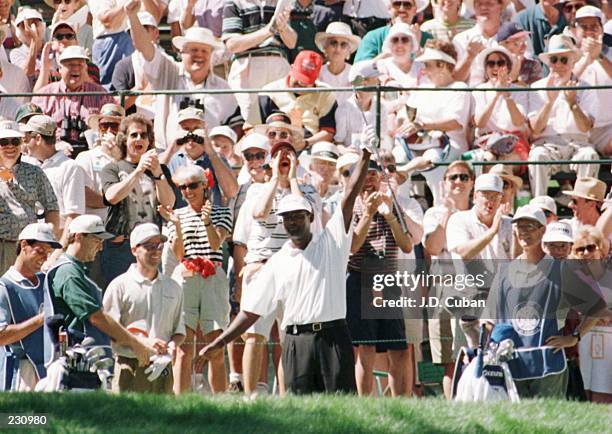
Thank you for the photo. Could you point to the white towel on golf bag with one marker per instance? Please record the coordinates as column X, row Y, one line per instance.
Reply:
column 53, row 381
column 470, row 388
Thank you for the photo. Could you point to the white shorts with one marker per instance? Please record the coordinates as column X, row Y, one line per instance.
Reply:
column 595, row 351
column 263, row 326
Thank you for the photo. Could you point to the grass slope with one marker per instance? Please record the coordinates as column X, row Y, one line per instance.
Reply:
column 97, row 412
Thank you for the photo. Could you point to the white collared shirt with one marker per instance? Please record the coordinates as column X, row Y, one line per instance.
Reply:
column 131, row 297
column 92, row 162
column 315, row 289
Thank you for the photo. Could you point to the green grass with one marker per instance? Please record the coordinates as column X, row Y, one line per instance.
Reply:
column 97, row 412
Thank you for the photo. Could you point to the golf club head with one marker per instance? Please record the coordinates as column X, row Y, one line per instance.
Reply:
column 103, row 364
column 88, row 341
column 92, row 362
column 95, row 351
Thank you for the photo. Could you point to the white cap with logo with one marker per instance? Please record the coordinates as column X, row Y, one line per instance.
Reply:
column 144, row 232
column 89, row 224
column 42, row 232
column 558, row 232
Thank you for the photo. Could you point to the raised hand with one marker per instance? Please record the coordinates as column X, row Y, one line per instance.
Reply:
column 206, row 213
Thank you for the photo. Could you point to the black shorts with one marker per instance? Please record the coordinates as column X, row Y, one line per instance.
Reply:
column 385, row 334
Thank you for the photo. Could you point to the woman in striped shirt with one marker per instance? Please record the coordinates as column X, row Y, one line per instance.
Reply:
column 195, row 235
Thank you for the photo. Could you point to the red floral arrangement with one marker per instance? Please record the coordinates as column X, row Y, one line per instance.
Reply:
column 210, row 179
column 202, row 266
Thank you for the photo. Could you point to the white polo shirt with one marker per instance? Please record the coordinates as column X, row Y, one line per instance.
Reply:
column 97, row 8
column 340, row 80
column 131, row 297
column 595, row 75
column 315, row 288
column 67, row 179
column 461, row 42
column 165, row 73
column 500, row 120
column 561, row 120
column 464, row 226
column 92, row 162
column 366, row 9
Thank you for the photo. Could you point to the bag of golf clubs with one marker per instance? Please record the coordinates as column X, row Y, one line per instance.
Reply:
column 483, row 374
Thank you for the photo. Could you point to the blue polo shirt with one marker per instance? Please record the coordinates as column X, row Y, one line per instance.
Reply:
column 372, row 42
column 534, row 21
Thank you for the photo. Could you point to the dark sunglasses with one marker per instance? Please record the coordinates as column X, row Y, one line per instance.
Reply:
column 406, row 5
column 256, row 156
column 190, row 186
column 591, row 248
column 66, row 36
column 103, row 126
column 572, row 7
column 336, row 43
column 152, row 246
column 138, row 135
column 498, row 63
column 59, row 2
column 347, row 172
column 281, row 134
column 463, row 177
column 562, row 59
column 10, row 142
column 398, row 39
column 547, row 213
column 198, row 139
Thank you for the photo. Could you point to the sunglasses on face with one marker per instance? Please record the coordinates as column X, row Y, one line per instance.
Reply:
column 59, row 2
column 463, row 177
column 336, row 43
column 66, row 36
column 194, row 137
column 10, row 142
column 256, row 156
column 280, row 134
column 405, row 5
column 525, row 227
column 152, row 246
column 590, row 248
column 400, row 39
column 138, row 135
column 547, row 213
column 498, row 63
column 555, row 59
column 104, row 126
column 572, row 7
column 190, row 186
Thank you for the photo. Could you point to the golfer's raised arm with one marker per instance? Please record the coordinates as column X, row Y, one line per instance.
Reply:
column 354, row 187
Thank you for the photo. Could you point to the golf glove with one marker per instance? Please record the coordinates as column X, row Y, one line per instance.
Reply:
column 369, row 139
column 157, row 366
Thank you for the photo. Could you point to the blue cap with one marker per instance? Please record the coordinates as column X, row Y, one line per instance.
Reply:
column 507, row 30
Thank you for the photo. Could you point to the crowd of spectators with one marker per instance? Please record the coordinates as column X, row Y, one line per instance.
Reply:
column 187, row 187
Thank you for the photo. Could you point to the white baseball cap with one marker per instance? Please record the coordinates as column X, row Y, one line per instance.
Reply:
column 529, row 212
column 73, row 52
column 42, row 232
column 293, row 202
column 489, row 182
column 325, row 151
column 544, row 202
column 558, row 232
column 190, row 113
column 255, row 140
column 144, row 232
column 590, row 12
column 89, row 224
column 347, row 159
column 363, row 70
column 27, row 14
column 10, row 130
column 225, row 131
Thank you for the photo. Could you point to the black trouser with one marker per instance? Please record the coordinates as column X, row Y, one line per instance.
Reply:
column 319, row 361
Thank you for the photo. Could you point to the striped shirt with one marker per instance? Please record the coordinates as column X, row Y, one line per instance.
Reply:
column 379, row 243
column 444, row 31
column 195, row 237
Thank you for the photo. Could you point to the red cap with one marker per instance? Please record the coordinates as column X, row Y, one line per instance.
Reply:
column 280, row 145
column 306, row 67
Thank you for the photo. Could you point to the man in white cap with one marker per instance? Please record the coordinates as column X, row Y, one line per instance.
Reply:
column 20, row 206
column 317, row 326
column 480, row 235
column 69, row 292
column 144, row 294
column 560, row 120
column 323, row 158
column 193, row 72
column 534, row 314
column 595, row 68
column 558, row 239
column 70, row 112
column 66, row 176
column 548, row 206
column 21, row 321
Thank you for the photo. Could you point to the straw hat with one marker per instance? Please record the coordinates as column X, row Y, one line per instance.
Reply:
column 338, row 30
column 588, row 188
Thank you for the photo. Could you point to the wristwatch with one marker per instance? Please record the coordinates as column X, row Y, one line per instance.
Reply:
column 573, row 107
column 576, row 334
column 159, row 178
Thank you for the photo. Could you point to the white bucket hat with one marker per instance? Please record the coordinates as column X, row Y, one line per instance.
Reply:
column 400, row 28
column 197, row 35
column 559, row 44
column 338, row 30
column 433, row 54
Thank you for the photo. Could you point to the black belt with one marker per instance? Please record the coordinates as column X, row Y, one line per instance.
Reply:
column 314, row 327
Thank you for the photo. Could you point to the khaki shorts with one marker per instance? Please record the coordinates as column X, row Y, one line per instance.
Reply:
column 444, row 338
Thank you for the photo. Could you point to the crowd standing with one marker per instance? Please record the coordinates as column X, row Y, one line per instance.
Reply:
column 182, row 226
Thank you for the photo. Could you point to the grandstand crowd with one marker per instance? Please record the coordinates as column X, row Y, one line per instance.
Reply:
column 194, row 229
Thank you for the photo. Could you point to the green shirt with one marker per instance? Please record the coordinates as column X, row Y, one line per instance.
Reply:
column 444, row 31
column 73, row 294
column 372, row 42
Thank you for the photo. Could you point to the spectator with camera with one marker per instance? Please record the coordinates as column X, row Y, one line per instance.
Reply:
column 193, row 72
column 70, row 112
column 133, row 187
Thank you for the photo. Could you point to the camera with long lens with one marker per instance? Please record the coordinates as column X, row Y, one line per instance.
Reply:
column 73, row 132
column 188, row 102
column 190, row 136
